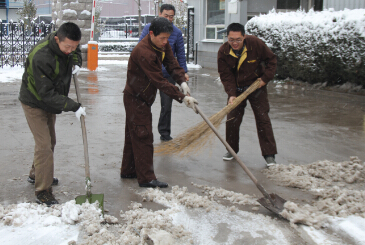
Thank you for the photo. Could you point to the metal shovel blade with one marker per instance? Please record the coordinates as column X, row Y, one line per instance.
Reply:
column 92, row 199
column 274, row 204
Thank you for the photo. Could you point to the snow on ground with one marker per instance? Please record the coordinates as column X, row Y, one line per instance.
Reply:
column 11, row 74
column 99, row 68
column 193, row 66
column 112, row 55
column 113, row 62
column 190, row 218
column 339, row 205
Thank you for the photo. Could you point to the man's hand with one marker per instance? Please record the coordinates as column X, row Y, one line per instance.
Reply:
column 262, row 83
column 190, row 102
column 79, row 112
column 184, row 88
column 231, row 99
column 76, row 70
column 186, row 77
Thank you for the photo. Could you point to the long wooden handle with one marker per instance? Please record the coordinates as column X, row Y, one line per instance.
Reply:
column 229, row 148
column 83, row 127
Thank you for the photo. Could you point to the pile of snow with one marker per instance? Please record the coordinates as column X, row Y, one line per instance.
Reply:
column 188, row 219
column 25, row 223
column 193, row 66
column 333, row 184
column 324, row 46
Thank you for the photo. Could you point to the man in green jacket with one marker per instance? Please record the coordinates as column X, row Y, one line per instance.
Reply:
column 43, row 94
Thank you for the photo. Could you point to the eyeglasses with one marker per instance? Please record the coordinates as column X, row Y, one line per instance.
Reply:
column 235, row 40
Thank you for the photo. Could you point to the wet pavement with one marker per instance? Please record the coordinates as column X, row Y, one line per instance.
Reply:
column 309, row 125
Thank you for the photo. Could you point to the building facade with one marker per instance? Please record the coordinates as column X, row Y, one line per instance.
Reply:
column 8, row 9
column 211, row 16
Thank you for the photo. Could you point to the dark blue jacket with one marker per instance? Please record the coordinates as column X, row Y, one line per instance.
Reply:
column 177, row 45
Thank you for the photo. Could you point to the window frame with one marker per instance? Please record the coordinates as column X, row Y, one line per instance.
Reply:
column 216, row 27
column 300, row 4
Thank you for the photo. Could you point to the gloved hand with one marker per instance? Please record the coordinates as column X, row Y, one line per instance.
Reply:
column 190, row 102
column 79, row 112
column 184, row 88
column 76, row 70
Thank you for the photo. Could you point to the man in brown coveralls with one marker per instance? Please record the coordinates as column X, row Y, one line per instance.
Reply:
column 239, row 65
column 144, row 77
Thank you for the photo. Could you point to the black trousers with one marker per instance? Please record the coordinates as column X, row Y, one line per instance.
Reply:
column 260, row 107
column 138, row 143
column 164, row 123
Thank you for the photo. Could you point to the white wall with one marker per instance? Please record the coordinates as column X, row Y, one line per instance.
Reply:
column 342, row 4
column 12, row 15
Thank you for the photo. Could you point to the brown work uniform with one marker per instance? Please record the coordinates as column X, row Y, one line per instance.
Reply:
column 144, row 77
column 236, row 74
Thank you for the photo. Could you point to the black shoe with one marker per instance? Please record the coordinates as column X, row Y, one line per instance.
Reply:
column 32, row 181
column 270, row 160
column 47, row 198
column 165, row 138
column 128, row 176
column 154, row 183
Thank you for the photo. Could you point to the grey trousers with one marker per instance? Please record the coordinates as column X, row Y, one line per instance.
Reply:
column 42, row 126
column 164, row 123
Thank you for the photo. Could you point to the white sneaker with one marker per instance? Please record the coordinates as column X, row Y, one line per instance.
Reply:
column 228, row 156
column 270, row 160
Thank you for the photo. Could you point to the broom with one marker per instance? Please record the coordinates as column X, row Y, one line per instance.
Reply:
column 195, row 138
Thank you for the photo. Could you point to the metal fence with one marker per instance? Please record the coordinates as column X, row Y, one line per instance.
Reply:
column 190, row 37
column 113, row 32
column 17, row 39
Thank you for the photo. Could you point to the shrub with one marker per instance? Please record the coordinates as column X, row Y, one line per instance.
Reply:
column 325, row 46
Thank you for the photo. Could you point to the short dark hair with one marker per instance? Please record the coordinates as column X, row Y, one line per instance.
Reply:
column 69, row 30
column 236, row 27
column 167, row 7
column 161, row 25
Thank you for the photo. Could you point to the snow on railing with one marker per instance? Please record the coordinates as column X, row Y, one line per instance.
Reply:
column 17, row 39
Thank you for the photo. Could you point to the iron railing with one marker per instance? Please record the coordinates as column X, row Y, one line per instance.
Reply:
column 17, row 39
column 190, row 37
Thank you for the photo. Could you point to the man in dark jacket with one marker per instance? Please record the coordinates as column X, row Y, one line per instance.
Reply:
column 176, row 42
column 43, row 94
column 144, row 77
column 239, row 65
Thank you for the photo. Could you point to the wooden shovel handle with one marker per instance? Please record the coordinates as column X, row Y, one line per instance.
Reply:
column 83, row 127
column 229, row 148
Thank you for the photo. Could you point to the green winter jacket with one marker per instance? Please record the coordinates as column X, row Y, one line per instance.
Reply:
column 47, row 77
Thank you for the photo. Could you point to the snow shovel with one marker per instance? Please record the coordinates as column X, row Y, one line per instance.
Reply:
column 91, row 198
column 272, row 201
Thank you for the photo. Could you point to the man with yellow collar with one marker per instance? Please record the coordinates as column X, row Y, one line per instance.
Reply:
column 241, row 61
column 144, row 77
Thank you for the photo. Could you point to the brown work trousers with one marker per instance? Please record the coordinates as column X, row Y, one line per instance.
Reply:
column 138, row 143
column 260, row 107
column 42, row 126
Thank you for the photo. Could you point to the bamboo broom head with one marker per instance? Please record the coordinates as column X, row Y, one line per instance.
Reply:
column 194, row 139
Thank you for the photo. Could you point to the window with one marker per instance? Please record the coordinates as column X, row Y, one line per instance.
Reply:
column 2, row 4
column 215, row 12
column 249, row 17
column 215, row 18
column 288, row 4
column 318, row 5
column 211, row 32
